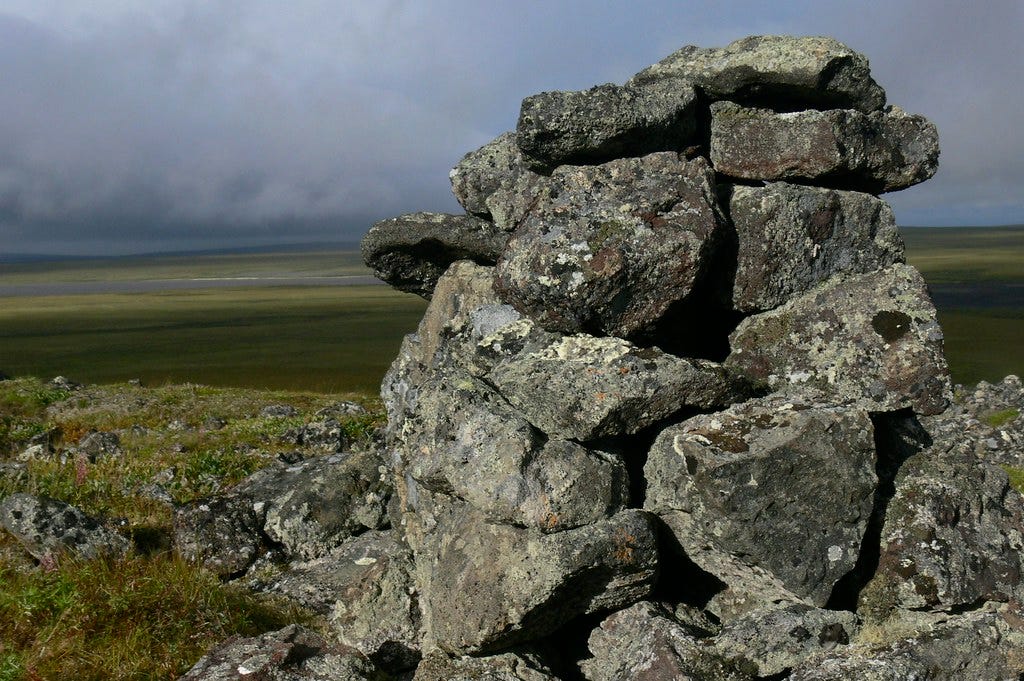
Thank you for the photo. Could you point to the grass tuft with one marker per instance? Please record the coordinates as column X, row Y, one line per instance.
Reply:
column 998, row 419
column 1016, row 476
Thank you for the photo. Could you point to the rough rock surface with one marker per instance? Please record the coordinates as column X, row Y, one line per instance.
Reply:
column 878, row 152
column 410, row 252
column 290, row 654
column 47, row 527
column 869, row 339
column 985, row 422
column 606, row 122
column 504, row 667
column 484, row 176
column 608, row 248
column 743, row 475
column 790, row 238
column 775, row 70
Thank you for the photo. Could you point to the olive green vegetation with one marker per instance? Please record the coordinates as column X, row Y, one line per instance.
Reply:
column 957, row 255
column 149, row 615
column 998, row 419
column 983, row 344
column 1016, row 476
column 324, row 339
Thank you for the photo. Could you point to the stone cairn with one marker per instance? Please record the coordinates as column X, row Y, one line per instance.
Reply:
column 677, row 410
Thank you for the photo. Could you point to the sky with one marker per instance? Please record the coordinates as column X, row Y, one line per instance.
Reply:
column 133, row 126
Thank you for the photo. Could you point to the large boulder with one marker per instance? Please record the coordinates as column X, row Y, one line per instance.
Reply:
column 743, row 475
column 869, row 339
column 410, row 252
column 775, row 70
column 878, row 152
column 482, row 179
column 47, row 528
column 607, row 249
column 789, row 238
column 606, row 122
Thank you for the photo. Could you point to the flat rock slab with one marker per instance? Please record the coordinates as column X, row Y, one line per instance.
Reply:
column 743, row 475
column 486, row 587
column 877, row 152
column 775, row 70
column 791, row 238
column 953, row 536
column 290, row 654
column 46, row 528
column 411, row 251
column 583, row 387
column 607, row 249
column 606, row 122
column 869, row 339
column 644, row 643
column 482, row 176
column 365, row 590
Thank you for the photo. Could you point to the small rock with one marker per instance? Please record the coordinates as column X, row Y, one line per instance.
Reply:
column 214, row 423
column 482, row 176
column 96, row 446
column 47, row 527
column 278, row 410
column 63, row 383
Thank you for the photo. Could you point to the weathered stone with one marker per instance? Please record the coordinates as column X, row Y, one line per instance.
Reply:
column 365, row 589
column 581, row 387
column 606, row 122
column 643, row 643
column 324, row 434
column 47, row 527
column 223, row 534
column 484, row 178
column 743, row 475
column 870, row 339
column 790, row 238
column 775, row 70
column 278, row 411
column 878, row 152
column 953, row 536
column 504, row 667
column 485, row 587
column 779, row 639
column 96, row 445
column 410, row 252
column 607, row 249
column 290, row 654
column 983, row 644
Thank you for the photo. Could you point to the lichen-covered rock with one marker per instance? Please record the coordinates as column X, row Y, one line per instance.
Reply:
column 410, row 252
column 485, row 180
column 869, row 339
column 365, row 589
column 485, row 587
column 221, row 533
column 878, row 152
column 643, row 643
column 790, row 238
column 46, row 528
column 982, row 644
column 775, row 70
column 606, row 122
column 779, row 639
column 953, row 536
column 743, row 474
column 607, row 249
column 323, row 434
column 290, row 654
column 99, row 445
column 504, row 667
column 582, row 387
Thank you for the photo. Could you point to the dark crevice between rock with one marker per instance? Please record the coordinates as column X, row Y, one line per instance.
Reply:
column 680, row 580
column 563, row 650
column 784, row 674
column 898, row 436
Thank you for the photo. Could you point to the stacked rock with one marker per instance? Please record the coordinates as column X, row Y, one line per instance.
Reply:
column 660, row 417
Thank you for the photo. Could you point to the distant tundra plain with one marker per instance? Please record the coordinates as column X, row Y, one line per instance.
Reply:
column 314, row 321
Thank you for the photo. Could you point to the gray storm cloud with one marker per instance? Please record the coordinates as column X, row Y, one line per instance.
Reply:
column 138, row 125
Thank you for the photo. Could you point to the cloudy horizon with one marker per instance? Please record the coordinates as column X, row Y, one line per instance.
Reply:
column 131, row 126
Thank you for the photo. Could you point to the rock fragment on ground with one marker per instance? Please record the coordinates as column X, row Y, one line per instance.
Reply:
column 48, row 528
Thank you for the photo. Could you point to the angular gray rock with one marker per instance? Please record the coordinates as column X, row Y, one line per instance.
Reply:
column 643, row 643
column 485, row 176
column 775, row 70
column 606, row 122
column 953, row 536
column 365, row 590
column 290, row 654
column 869, row 339
column 97, row 445
column 504, row 667
column 743, row 474
column 778, row 639
column 582, row 387
column 878, row 152
column 790, row 238
column 223, row 534
column 323, row 434
column 486, row 587
column 607, row 249
column 47, row 527
column 410, row 252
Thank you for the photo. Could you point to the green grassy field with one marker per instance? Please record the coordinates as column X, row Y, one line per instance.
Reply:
column 966, row 254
